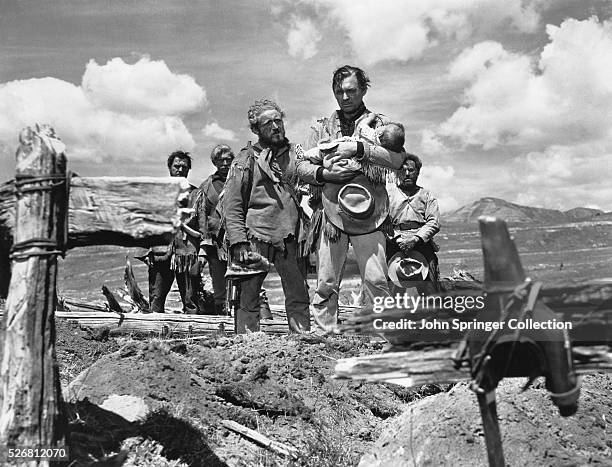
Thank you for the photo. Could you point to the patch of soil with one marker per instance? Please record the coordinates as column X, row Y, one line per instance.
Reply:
column 79, row 347
column 280, row 386
column 446, row 429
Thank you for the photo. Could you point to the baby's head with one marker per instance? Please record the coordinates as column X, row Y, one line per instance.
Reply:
column 391, row 136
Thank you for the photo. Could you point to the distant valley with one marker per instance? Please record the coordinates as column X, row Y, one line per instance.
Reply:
column 517, row 214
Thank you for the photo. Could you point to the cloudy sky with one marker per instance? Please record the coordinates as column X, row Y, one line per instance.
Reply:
column 511, row 99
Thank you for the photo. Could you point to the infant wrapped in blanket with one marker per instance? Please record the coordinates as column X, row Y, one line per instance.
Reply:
column 390, row 136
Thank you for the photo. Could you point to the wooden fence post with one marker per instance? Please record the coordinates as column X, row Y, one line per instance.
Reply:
column 31, row 413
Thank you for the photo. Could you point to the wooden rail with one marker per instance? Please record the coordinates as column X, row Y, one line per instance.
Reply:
column 127, row 211
column 435, row 365
column 97, row 315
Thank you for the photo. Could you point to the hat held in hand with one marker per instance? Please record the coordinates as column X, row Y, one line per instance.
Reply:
column 358, row 207
column 255, row 264
column 405, row 268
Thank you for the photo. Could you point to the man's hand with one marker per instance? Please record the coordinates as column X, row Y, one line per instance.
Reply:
column 407, row 243
column 338, row 173
column 365, row 129
column 345, row 150
column 240, row 252
column 368, row 122
column 202, row 259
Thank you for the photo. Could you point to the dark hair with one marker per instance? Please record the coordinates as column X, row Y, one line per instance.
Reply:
column 392, row 138
column 258, row 107
column 417, row 162
column 345, row 71
column 219, row 150
column 181, row 155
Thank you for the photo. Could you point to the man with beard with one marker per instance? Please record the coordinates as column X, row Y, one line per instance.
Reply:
column 263, row 217
column 330, row 240
column 211, row 246
column 415, row 217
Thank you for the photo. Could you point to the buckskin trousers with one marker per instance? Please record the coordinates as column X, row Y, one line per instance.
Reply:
column 295, row 288
column 331, row 258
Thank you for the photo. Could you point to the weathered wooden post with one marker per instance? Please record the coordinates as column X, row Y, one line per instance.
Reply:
column 503, row 272
column 7, row 223
column 31, row 412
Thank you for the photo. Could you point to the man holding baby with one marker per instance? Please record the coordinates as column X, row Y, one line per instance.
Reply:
column 347, row 159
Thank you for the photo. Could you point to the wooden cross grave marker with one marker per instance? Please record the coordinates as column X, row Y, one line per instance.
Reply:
column 588, row 307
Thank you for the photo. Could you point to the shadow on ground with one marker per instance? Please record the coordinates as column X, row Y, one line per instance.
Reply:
column 96, row 435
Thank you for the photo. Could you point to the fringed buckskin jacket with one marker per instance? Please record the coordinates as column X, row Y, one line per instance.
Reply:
column 377, row 164
column 269, row 213
column 183, row 251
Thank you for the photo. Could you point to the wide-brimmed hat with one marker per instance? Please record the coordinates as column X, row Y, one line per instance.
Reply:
column 410, row 267
column 358, row 207
column 255, row 264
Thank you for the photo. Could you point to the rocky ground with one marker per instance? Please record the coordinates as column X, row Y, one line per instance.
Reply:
column 172, row 396
column 446, row 429
column 279, row 386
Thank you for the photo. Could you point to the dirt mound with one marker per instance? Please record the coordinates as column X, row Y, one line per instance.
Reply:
column 79, row 347
column 446, row 429
column 280, row 386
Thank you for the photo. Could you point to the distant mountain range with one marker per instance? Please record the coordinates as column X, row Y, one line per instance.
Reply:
column 515, row 213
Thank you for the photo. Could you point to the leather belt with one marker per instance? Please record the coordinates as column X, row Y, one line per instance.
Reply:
column 411, row 225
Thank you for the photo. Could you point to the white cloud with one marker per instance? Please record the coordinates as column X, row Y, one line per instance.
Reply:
column 298, row 130
column 431, row 144
column 549, row 111
column 559, row 100
column 108, row 117
column 144, row 88
column 565, row 177
column 396, row 30
column 501, row 104
column 214, row 131
column 303, row 38
column 436, row 178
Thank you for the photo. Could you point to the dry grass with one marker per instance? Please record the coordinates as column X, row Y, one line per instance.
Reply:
column 325, row 446
column 146, row 453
